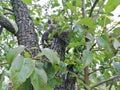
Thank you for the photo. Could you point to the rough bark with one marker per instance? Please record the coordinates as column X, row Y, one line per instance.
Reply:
column 4, row 22
column 26, row 34
column 59, row 43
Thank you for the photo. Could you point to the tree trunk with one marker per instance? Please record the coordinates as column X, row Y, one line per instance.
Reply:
column 26, row 34
column 59, row 43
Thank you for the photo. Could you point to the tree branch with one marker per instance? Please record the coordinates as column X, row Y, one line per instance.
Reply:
column 92, row 8
column 1, row 29
column 86, row 78
column 83, row 8
column 3, row 63
column 98, row 70
column 8, row 9
column 4, row 22
column 100, row 8
column 104, row 81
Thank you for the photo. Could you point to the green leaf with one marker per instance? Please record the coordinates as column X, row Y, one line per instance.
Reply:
column 27, row 55
column 89, row 22
column 78, row 28
column 111, row 5
column 88, row 57
column 116, row 65
column 100, row 41
column 39, row 79
column 27, row 1
column 13, row 53
column 116, row 44
column 25, row 85
column 17, row 64
column 70, row 6
column 0, row 38
column 20, row 70
column 104, row 43
column 51, row 55
column 55, row 3
column 74, row 44
column 54, row 81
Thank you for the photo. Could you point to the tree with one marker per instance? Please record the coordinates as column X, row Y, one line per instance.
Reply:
column 81, row 51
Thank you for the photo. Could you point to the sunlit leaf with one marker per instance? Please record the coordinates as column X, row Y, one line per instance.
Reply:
column 70, row 6
column 111, row 5
column 21, row 69
column 27, row 1
column 100, row 41
column 27, row 55
column 13, row 53
column 51, row 55
column 88, row 22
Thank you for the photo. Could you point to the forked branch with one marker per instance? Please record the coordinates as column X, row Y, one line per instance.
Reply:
column 114, row 78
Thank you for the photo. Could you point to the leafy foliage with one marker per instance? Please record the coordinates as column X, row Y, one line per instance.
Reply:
column 93, row 51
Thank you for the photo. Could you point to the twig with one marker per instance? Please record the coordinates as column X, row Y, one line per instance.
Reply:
column 1, row 29
column 83, row 8
column 4, row 22
column 110, row 86
column 8, row 13
column 8, row 9
column 86, row 72
column 92, row 8
column 98, row 70
column 3, row 63
column 42, row 59
column 74, row 74
column 104, row 81
column 100, row 8
column 10, row 86
column 113, row 27
column 92, row 46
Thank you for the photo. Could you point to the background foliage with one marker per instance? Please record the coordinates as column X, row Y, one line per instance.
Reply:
column 93, row 50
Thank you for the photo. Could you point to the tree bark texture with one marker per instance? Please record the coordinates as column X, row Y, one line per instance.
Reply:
column 26, row 34
column 58, row 44
column 4, row 22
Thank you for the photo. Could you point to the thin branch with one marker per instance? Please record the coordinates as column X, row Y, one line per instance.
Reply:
column 4, row 22
column 100, row 8
column 92, row 46
column 92, row 8
column 98, row 70
column 42, row 59
column 1, row 29
column 10, row 86
column 3, row 63
column 110, row 86
column 8, row 9
column 74, row 74
column 83, row 8
column 86, row 72
column 8, row 13
column 104, row 81
column 113, row 27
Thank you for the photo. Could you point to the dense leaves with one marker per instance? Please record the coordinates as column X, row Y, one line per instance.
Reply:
column 92, row 56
